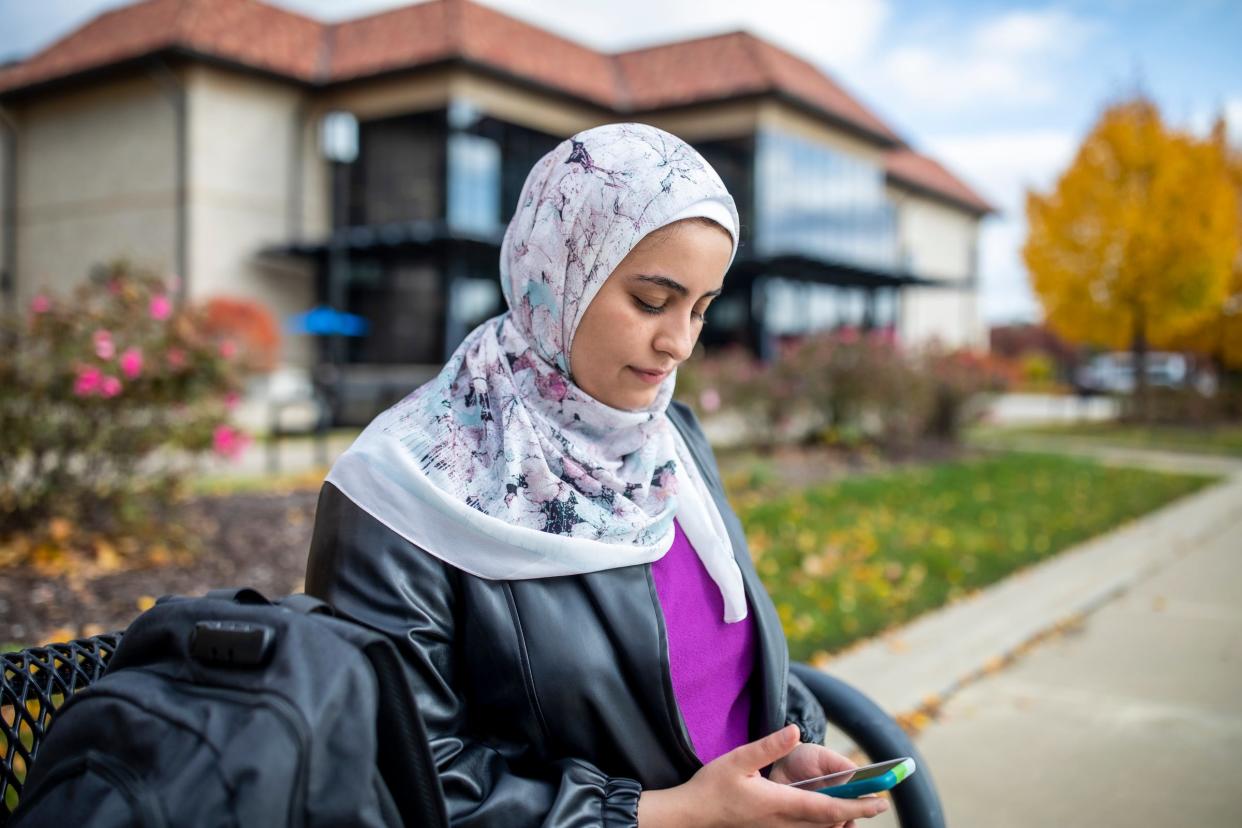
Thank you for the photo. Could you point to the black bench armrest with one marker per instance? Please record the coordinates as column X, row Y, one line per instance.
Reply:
column 880, row 737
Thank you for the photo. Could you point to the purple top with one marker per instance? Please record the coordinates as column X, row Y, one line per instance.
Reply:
column 710, row 660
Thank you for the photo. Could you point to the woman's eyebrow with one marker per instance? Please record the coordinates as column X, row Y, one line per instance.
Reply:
column 664, row 281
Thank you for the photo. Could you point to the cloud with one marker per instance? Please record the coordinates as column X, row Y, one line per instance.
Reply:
column 1007, row 60
column 1233, row 120
column 1025, row 32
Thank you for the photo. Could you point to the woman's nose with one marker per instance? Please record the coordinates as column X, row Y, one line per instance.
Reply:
column 676, row 337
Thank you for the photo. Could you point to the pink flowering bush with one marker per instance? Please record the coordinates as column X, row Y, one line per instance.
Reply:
column 844, row 387
column 768, row 398
column 105, row 397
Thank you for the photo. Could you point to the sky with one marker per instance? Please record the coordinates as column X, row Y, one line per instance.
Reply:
column 1000, row 92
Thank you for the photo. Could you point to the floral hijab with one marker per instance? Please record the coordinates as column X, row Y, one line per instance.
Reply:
column 501, row 465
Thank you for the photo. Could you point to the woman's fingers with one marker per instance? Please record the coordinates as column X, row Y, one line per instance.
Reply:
column 824, row 809
column 760, row 753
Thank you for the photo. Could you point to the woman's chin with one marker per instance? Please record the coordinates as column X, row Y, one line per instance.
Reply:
column 632, row 400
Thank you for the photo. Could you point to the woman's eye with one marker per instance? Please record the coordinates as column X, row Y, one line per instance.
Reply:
column 646, row 308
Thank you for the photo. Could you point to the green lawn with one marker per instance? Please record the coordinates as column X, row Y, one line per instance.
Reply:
column 1222, row 439
column 849, row 559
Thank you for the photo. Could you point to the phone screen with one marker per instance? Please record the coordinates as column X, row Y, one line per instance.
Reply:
column 855, row 775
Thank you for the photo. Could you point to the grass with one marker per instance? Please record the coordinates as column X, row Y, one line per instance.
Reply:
column 1219, row 440
column 846, row 560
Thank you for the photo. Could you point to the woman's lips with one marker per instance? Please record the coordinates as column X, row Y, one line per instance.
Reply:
column 652, row 377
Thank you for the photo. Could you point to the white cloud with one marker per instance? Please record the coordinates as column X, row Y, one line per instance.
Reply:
column 1007, row 60
column 1025, row 32
column 1233, row 120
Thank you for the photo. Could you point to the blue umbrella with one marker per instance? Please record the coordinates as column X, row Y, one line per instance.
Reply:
column 326, row 321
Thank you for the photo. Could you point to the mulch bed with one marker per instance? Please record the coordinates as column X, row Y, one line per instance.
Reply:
column 256, row 540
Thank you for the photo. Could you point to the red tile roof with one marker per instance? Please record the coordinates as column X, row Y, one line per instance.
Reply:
column 418, row 34
column 905, row 166
column 256, row 35
column 245, row 31
column 737, row 63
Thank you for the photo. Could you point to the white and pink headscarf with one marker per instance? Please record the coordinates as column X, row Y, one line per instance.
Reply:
column 502, row 466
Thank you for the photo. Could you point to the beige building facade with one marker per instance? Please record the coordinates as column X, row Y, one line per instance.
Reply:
column 208, row 166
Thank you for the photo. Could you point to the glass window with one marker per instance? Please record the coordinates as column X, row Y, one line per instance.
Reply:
column 816, row 201
column 473, row 183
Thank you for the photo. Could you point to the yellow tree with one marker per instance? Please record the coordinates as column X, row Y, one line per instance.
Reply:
column 1134, row 246
column 1219, row 336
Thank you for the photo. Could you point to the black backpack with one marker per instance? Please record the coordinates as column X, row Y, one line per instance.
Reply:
column 230, row 710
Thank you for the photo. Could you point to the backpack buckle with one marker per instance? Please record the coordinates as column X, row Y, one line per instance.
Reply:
column 232, row 643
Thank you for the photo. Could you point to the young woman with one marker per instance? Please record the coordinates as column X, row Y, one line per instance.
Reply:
column 545, row 536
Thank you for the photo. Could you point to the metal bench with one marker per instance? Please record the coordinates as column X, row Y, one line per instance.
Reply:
column 36, row 681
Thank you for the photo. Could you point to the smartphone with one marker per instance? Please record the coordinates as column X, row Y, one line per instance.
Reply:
column 863, row 780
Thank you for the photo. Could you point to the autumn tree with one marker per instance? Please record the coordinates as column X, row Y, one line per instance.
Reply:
column 1134, row 246
column 1219, row 335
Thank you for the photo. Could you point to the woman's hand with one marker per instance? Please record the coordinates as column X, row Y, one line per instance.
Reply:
column 806, row 761
column 729, row 791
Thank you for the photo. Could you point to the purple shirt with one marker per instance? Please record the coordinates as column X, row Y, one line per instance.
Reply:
column 710, row 660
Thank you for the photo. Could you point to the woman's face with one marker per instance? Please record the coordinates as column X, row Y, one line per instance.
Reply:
column 646, row 318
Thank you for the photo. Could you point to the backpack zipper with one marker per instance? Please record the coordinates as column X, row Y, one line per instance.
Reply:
column 122, row 777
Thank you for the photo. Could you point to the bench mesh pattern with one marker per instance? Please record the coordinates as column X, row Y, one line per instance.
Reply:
column 34, row 683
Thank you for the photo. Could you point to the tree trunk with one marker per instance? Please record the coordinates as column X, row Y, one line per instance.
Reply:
column 1139, row 350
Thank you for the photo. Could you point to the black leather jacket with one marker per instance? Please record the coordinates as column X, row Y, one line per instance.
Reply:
column 548, row 701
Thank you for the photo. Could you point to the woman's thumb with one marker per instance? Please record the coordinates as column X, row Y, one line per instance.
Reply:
column 763, row 752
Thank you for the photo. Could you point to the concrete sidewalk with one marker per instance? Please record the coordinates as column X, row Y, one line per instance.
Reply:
column 1102, row 687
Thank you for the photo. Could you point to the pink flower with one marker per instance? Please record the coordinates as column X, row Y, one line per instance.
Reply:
column 109, row 387
column 227, row 441
column 40, row 304
column 709, row 399
column 131, row 363
column 104, row 347
column 231, row 399
column 176, row 358
column 228, row 348
column 160, row 307
column 87, row 382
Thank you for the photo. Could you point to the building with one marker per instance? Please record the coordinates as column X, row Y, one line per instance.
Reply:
column 186, row 135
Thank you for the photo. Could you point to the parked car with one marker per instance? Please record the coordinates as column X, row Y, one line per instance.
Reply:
column 1114, row 373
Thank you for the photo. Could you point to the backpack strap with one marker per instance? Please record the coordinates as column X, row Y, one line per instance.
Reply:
column 404, row 752
column 306, row 604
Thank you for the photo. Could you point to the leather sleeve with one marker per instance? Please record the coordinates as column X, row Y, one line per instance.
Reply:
column 804, row 710
column 369, row 572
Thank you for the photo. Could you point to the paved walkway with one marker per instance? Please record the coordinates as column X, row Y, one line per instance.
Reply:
column 1101, row 688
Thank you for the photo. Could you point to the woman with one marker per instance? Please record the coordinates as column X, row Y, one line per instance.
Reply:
column 545, row 536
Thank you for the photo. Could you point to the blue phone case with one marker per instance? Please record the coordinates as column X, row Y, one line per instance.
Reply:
column 853, row 790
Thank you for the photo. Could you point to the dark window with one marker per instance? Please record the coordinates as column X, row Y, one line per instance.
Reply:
column 399, row 171
column 404, row 302
column 734, row 161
